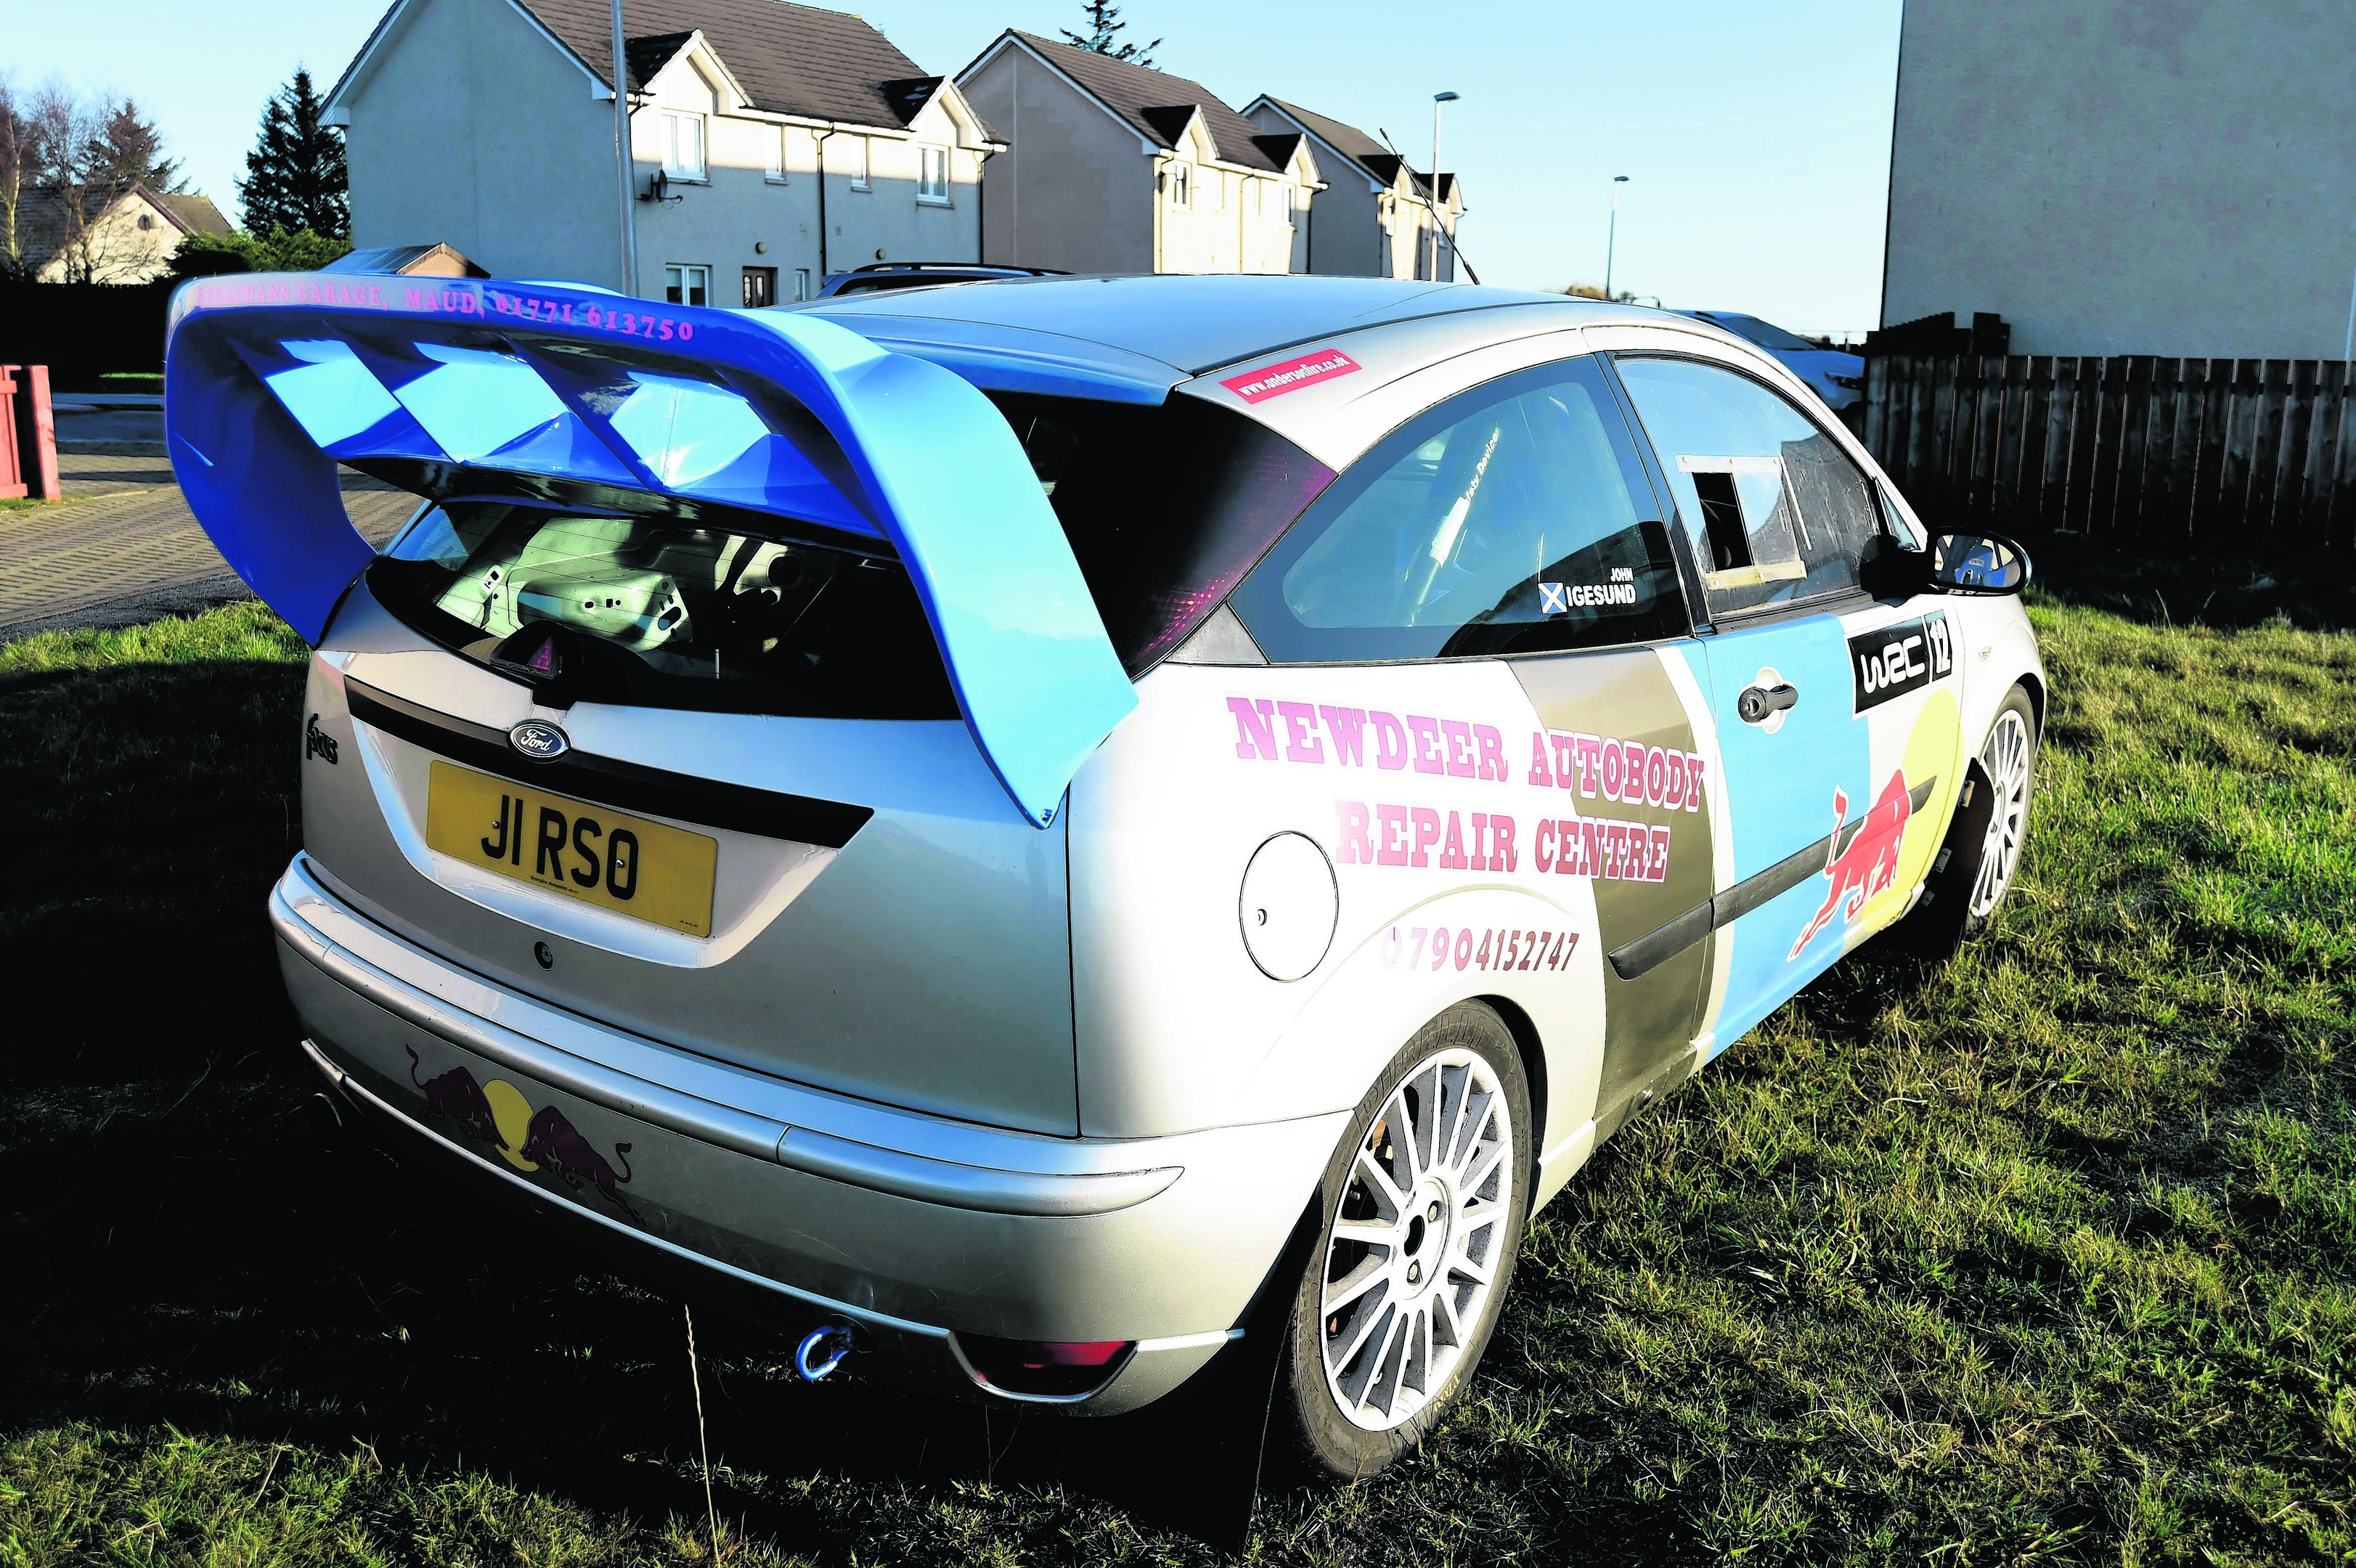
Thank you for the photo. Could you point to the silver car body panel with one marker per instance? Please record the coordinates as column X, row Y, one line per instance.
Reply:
column 961, row 1075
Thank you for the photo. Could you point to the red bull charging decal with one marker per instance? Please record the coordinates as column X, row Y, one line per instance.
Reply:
column 496, row 1113
column 1862, row 861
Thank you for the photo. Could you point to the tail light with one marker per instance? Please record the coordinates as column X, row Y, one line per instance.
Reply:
column 1052, row 1368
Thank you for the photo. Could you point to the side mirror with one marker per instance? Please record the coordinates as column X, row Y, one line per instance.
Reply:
column 1887, row 570
column 1978, row 564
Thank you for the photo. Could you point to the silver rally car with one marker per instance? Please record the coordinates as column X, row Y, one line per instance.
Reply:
column 1035, row 827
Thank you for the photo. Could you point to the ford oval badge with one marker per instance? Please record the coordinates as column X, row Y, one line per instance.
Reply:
column 539, row 741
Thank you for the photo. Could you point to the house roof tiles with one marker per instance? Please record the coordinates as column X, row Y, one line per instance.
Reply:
column 1157, row 104
column 789, row 59
column 1366, row 151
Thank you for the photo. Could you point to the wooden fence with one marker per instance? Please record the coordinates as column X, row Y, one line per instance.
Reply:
column 2245, row 455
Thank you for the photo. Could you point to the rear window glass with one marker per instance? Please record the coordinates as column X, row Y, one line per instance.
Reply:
column 658, row 613
column 1165, row 510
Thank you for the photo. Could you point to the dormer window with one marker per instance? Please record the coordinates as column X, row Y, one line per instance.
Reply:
column 682, row 146
column 1181, row 189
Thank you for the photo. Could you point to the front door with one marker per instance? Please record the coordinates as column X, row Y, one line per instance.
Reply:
column 1837, row 715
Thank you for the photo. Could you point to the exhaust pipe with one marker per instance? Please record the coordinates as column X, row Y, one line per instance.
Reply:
column 327, row 1120
column 822, row 1350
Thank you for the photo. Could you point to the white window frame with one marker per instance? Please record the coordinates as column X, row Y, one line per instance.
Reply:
column 670, row 121
column 929, row 192
column 687, row 273
column 775, row 173
column 858, row 168
column 802, row 286
column 1182, row 187
column 1291, row 206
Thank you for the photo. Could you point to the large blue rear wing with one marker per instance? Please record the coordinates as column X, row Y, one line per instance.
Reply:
column 271, row 379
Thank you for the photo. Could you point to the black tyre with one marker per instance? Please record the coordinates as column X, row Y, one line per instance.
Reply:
column 1423, row 1209
column 1975, row 867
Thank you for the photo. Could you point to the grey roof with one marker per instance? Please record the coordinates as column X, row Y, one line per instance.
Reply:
column 1347, row 139
column 45, row 217
column 194, row 212
column 1155, row 103
column 788, row 58
column 1362, row 150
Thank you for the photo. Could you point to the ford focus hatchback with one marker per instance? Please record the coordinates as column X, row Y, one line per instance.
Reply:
column 1039, row 828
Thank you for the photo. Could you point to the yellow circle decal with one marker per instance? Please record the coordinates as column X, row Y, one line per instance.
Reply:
column 512, row 1111
column 1932, row 750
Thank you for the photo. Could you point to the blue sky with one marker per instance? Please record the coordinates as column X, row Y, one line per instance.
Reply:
column 1756, row 138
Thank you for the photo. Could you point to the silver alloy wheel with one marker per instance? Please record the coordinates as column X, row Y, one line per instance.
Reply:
column 2006, row 756
column 1411, row 1256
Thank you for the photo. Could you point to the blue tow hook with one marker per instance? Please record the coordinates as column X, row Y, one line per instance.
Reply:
column 821, row 1350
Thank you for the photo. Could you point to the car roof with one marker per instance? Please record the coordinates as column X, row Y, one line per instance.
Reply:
column 1168, row 328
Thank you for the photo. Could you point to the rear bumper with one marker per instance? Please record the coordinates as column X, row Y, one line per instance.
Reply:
column 909, row 1228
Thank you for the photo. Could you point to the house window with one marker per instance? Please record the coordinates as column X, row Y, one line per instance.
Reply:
column 1291, row 213
column 857, row 155
column 1182, row 193
column 687, row 286
column 933, row 174
column 682, row 146
column 775, row 173
column 760, row 287
column 801, row 282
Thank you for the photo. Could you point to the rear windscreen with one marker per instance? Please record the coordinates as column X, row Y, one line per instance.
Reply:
column 669, row 615
column 1165, row 509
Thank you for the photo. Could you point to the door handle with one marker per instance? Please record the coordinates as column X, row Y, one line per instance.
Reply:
column 1757, row 703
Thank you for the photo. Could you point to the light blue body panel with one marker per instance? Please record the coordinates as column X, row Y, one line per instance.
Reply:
column 1779, row 788
column 271, row 379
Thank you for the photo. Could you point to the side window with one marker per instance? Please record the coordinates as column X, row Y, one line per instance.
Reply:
column 1777, row 512
column 1513, row 518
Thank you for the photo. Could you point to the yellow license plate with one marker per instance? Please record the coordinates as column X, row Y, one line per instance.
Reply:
column 626, row 864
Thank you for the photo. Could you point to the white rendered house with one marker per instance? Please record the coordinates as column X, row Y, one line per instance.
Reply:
column 489, row 126
column 1119, row 169
column 1377, row 217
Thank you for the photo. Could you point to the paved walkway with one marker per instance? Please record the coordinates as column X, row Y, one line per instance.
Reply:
column 123, row 546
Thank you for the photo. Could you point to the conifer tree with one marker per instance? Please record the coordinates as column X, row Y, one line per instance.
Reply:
column 295, row 176
column 131, row 150
column 1104, row 21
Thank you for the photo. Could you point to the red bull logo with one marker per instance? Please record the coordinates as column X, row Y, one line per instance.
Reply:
column 498, row 1113
column 1862, row 860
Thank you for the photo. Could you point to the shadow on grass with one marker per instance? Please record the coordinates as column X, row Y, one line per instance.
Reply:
column 1935, row 1264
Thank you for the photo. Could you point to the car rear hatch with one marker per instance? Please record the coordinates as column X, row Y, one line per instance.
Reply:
column 728, row 691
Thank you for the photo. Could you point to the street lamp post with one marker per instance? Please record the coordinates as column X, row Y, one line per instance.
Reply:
column 1437, row 229
column 1612, row 239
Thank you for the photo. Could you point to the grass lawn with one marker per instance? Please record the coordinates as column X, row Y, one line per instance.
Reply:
column 2046, row 1254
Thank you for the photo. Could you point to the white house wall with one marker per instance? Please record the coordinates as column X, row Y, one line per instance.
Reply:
column 2127, row 179
column 1344, row 237
column 472, row 128
column 1075, row 191
column 1234, row 222
column 718, row 223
